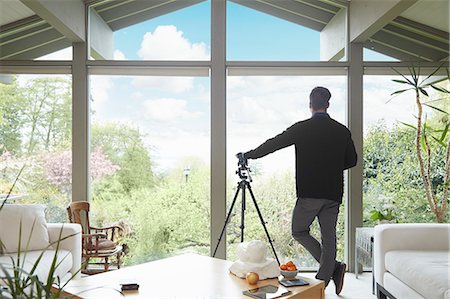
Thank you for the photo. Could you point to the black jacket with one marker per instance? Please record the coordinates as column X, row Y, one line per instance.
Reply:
column 323, row 150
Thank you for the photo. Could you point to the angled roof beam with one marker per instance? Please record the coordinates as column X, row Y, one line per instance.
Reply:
column 405, row 45
column 20, row 46
column 368, row 17
column 101, row 37
column 65, row 16
column 332, row 38
column 121, row 14
column 284, row 14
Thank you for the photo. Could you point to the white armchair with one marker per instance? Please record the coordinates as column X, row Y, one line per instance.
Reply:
column 412, row 260
column 69, row 253
column 72, row 244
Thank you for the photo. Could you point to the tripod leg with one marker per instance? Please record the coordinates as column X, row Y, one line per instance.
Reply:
column 227, row 219
column 242, row 185
column 263, row 222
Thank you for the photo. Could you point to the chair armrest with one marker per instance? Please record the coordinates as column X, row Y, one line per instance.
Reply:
column 72, row 244
column 90, row 236
column 407, row 236
column 106, row 228
column 109, row 230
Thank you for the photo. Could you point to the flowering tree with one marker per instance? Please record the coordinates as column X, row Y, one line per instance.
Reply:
column 58, row 167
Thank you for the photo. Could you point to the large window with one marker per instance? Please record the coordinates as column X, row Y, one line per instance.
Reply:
column 36, row 134
column 150, row 162
column 392, row 183
column 258, row 108
column 142, row 34
column 281, row 31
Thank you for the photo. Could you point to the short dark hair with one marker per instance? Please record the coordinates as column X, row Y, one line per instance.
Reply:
column 319, row 98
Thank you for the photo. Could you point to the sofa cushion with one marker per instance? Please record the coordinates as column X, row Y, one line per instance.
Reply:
column 64, row 257
column 398, row 289
column 426, row 272
column 34, row 227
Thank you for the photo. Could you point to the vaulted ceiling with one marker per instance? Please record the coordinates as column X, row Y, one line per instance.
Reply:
column 412, row 30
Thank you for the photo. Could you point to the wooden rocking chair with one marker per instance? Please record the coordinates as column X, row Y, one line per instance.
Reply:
column 97, row 242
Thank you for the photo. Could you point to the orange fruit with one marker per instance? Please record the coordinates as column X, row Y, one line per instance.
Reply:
column 283, row 267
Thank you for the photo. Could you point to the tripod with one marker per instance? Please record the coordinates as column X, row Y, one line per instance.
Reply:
column 244, row 174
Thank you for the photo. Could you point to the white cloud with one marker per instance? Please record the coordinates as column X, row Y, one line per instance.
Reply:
column 170, row 84
column 166, row 42
column 100, row 87
column 137, row 95
column 64, row 54
column 167, row 109
column 118, row 55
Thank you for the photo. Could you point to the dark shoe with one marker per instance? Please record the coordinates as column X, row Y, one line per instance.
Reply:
column 338, row 277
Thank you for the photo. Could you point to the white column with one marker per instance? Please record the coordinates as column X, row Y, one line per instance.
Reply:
column 355, row 124
column 218, row 124
column 80, row 122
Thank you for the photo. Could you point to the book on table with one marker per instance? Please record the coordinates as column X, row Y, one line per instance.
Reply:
column 267, row 292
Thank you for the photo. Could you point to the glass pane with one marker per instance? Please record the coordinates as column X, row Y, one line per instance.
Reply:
column 141, row 30
column 393, row 188
column 259, row 108
column 36, row 135
column 284, row 31
column 150, row 151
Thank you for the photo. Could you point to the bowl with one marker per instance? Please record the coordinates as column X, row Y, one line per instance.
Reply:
column 289, row 274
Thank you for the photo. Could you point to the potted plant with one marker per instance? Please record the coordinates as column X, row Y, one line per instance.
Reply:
column 429, row 137
column 16, row 282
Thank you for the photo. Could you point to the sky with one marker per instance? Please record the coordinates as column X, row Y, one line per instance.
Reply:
column 174, row 112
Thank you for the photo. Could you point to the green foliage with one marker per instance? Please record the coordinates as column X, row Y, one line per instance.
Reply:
column 124, row 146
column 428, row 135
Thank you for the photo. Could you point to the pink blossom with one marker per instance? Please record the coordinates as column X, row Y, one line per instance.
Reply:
column 58, row 167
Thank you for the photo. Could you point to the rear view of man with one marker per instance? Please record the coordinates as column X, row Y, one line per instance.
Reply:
column 323, row 150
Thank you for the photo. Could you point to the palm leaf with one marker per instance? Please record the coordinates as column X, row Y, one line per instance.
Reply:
column 437, row 100
column 400, row 91
column 423, row 91
column 436, row 108
column 439, row 141
column 401, row 81
column 408, row 125
column 441, row 89
column 432, row 73
column 444, row 132
column 404, row 77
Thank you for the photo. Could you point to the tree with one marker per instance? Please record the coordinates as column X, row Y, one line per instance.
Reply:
column 58, row 168
column 46, row 113
column 11, row 104
column 425, row 134
column 124, row 146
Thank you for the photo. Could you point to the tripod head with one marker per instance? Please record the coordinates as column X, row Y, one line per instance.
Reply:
column 243, row 169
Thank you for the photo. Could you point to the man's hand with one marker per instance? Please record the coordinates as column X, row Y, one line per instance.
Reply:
column 242, row 159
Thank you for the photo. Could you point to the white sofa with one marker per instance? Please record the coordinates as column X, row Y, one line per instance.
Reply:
column 69, row 254
column 412, row 260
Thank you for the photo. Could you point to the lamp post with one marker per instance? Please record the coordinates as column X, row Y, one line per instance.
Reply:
column 186, row 172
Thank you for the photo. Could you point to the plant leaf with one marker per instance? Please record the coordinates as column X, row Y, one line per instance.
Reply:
column 436, row 108
column 439, row 141
column 441, row 89
column 437, row 100
column 408, row 125
column 400, row 91
column 410, row 82
column 432, row 73
column 445, row 131
column 423, row 91
column 401, row 81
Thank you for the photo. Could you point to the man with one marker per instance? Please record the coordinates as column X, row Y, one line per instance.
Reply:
column 323, row 150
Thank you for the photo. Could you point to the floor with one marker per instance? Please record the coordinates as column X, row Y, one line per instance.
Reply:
column 360, row 288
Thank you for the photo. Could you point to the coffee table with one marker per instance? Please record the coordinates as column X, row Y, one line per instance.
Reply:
column 183, row 276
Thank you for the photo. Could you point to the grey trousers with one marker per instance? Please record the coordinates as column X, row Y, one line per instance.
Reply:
column 305, row 211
